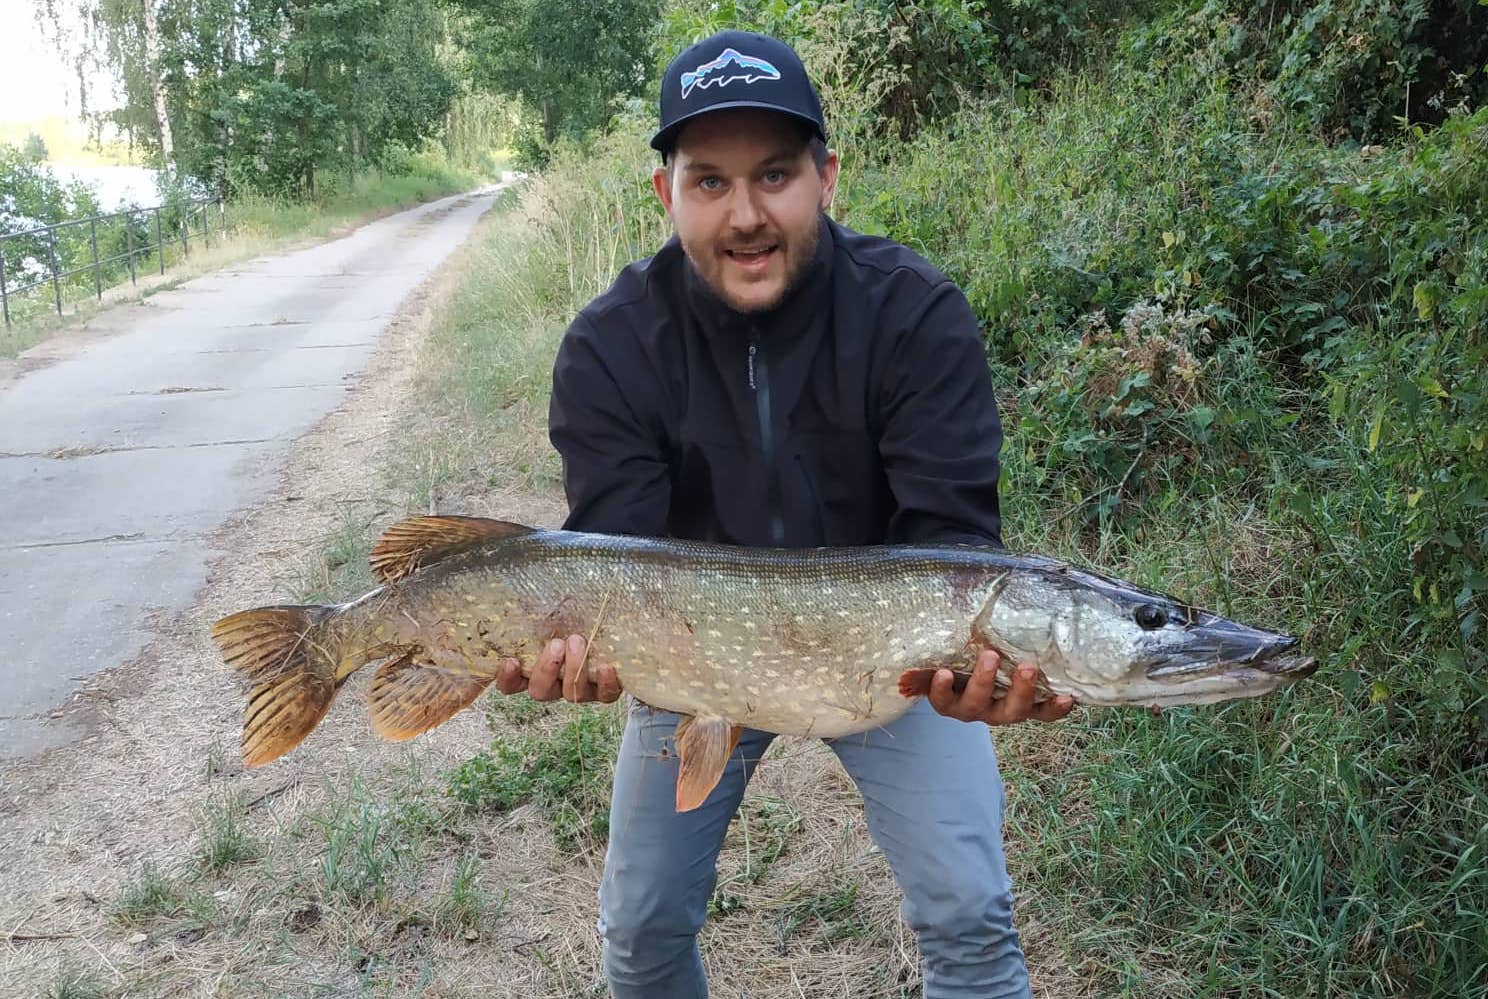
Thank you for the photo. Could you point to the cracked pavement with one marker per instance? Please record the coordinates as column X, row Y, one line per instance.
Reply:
column 119, row 462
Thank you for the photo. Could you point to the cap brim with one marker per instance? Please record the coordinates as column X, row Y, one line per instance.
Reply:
column 663, row 140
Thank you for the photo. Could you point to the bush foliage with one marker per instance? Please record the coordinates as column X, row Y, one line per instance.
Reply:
column 1232, row 270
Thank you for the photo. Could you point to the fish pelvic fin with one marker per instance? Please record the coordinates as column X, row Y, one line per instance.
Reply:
column 420, row 541
column 704, row 747
column 411, row 695
column 284, row 651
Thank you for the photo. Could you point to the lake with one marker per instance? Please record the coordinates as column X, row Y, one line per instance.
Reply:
column 115, row 186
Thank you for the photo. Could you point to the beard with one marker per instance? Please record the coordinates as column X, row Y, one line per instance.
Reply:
column 799, row 252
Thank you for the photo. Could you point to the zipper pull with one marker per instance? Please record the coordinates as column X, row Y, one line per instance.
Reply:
column 753, row 349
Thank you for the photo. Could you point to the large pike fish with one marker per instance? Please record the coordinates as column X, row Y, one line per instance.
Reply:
column 812, row 642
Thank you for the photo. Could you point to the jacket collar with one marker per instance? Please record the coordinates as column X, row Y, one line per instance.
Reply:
column 800, row 305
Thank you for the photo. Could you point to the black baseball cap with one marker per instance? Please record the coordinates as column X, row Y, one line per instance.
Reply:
column 735, row 69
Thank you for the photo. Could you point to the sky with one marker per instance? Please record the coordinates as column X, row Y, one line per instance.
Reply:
column 35, row 82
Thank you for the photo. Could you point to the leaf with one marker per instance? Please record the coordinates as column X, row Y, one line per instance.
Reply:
column 1337, row 397
column 1378, row 425
column 1168, row 240
column 1379, row 691
column 1139, row 407
column 1406, row 391
column 1413, row 497
column 1424, row 298
column 1431, row 386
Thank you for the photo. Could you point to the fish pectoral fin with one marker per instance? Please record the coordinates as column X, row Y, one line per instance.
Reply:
column 411, row 695
column 420, row 541
column 704, row 746
column 916, row 682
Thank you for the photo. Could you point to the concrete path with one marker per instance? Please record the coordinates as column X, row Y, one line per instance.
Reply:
column 117, row 462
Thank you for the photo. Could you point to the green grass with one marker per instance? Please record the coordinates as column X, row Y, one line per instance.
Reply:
column 468, row 909
column 567, row 773
column 832, row 915
column 767, row 826
column 153, row 895
column 369, row 844
column 76, row 985
column 226, row 839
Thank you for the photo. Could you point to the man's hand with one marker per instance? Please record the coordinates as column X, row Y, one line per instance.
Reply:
column 559, row 673
column 977, row 703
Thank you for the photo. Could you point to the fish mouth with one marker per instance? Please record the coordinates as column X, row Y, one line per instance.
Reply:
column 1295, row 667
column 1217, row 647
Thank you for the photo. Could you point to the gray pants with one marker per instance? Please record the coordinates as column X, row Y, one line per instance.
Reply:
column 933, row 800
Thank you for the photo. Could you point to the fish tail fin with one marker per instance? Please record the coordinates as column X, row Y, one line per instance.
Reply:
column 287, row 652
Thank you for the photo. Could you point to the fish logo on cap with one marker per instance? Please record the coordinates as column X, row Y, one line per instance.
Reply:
column 730, row 65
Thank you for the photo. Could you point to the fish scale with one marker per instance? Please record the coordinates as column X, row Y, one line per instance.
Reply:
column 811, row 642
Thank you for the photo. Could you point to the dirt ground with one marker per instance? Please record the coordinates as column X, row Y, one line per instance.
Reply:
column 78, row 825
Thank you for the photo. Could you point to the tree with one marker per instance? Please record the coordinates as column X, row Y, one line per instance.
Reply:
column 567, row 59
column 35, row 149
column 267, row 93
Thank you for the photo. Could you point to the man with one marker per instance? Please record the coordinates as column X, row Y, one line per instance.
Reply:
column 772, row 378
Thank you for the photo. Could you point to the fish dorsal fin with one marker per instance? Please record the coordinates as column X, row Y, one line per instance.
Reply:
column 704, row 746
column 421, row 541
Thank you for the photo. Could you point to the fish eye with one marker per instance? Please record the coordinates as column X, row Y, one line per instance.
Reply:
column 1150, row 617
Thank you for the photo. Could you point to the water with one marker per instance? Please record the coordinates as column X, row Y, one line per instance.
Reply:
column 115, row 186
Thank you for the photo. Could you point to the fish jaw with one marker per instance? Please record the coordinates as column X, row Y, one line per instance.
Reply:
column 1224, row 684
column 1211, row 641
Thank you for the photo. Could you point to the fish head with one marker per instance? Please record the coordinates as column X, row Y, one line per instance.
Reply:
column 1107, row 641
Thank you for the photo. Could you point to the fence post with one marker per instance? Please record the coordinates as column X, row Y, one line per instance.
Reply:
column 4, row 297
column 185, row 224
column 159, row 243
column 206, row 227
column 56, row 284
column 93, row 242
column 129, row 244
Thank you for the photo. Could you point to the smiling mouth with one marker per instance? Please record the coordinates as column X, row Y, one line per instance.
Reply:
column 752, row 257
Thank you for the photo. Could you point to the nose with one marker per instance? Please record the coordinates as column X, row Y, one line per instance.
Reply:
column 744, row 210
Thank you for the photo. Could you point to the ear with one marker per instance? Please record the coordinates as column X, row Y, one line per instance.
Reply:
column 661, row 181
column 829, row 179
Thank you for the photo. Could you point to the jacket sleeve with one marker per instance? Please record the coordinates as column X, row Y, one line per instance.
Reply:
column 939, row 433
column 615, row 471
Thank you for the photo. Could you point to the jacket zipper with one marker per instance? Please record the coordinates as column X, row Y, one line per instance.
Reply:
column 759, row 381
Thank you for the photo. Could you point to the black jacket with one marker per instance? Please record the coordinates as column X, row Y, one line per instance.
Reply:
column 860, row 411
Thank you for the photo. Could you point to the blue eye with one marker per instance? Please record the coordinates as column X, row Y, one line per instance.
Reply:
column 774, row 176
column 709, row 183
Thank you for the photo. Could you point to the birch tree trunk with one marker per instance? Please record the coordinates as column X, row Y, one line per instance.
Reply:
column 157, row 84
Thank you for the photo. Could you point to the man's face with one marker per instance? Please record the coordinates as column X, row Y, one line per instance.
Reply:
column 745, row 196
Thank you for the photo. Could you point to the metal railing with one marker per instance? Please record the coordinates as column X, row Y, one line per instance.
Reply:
column 51, row 254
